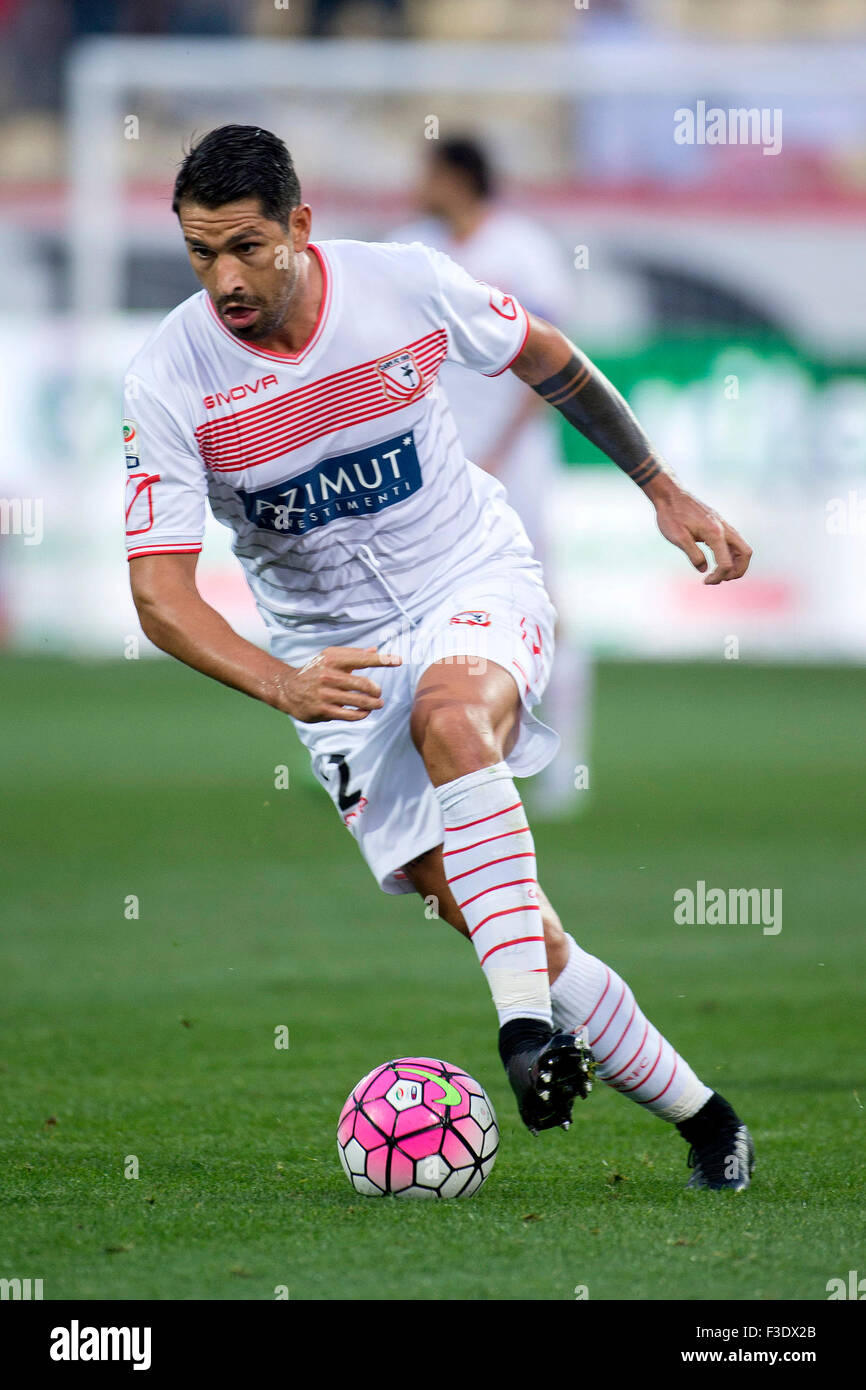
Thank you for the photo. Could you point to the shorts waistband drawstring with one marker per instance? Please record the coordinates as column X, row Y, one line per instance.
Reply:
column 366, row 557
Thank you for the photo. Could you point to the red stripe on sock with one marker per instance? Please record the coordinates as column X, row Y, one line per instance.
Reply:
column 611, row 1019
column 610, row 1079
column 449, row 829
column 511, row 884
column 525, row 854
column 506, row 912
column 653, row 1099
column 624, row 1090
column 598, row 1005
column 602, row 1060
column 521, row 830
column 518, row 941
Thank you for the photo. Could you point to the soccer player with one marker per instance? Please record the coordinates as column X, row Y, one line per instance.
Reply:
column 504, row 426
column 410, row 632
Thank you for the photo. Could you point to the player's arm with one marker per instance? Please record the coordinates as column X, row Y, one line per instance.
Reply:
column 567, row 379
column 175, row 617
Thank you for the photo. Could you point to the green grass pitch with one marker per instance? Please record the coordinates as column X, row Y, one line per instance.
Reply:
column 154, row 1037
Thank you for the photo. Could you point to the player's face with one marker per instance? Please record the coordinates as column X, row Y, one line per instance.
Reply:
column 248, row 264
column 440, row 190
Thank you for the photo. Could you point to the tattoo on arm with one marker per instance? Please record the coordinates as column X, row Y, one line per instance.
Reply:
column 593, row 405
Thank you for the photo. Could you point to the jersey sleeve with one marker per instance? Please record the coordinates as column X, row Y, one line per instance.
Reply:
column 166, row 484
column 487, row 328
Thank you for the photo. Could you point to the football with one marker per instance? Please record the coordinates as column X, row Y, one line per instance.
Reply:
column 417, row 1127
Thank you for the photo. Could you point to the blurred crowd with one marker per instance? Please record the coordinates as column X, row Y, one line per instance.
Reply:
column 36, row 34
column 616, row 141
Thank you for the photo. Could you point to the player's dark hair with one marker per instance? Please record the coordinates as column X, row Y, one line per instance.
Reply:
column 239, row 161
column 467, row 156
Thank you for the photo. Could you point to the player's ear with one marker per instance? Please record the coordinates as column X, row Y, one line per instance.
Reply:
column 300, row 224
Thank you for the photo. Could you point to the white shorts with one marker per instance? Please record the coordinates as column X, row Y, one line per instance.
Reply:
column 371, row 768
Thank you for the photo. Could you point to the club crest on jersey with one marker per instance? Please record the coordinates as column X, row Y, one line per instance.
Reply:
column 401, row 376
column 475, row 617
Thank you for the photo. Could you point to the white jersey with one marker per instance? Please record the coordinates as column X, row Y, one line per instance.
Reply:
column 505, row 249
column 339, row 468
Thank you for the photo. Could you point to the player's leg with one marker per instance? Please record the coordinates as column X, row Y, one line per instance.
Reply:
column 630, row 1054
column 427, row 876
column 633, row 1057
column 463, row 725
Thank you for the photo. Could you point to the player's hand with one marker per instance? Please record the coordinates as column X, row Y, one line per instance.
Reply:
column 326, row 687
column 685, row 521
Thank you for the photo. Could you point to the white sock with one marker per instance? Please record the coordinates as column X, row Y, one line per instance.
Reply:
column 489, row 860
column 631, row 1054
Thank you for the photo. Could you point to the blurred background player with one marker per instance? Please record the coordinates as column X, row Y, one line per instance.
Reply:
column 503, row 425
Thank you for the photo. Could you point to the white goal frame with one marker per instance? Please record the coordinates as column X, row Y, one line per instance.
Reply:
column 102, row 70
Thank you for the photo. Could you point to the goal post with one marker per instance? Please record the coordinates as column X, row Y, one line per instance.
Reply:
column 103, row 73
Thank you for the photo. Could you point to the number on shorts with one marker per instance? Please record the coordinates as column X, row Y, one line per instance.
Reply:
column 345, row 799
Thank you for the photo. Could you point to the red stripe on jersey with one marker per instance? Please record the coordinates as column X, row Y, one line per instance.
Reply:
column 513, row 359
column 300, row 416
column 326, row 392
column 277, row 427
column 137, row 550
column 292, row 423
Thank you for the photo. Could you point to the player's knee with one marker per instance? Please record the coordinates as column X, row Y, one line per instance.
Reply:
column 457, row 735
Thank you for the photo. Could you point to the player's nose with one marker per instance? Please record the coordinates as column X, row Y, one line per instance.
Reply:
column 229, row 282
